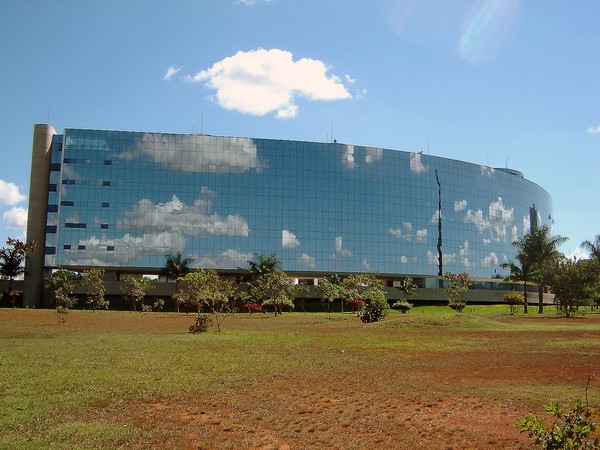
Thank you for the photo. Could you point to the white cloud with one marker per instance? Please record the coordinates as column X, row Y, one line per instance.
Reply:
column 289, row 239
column 435, row 218
column 407, row 225
column 578, row 254
column 487, row 171
column 339, row 248
column 447, row 258
column 360, row 94
column 10, row 194
column 422, row 235
column 464, row 255
column 348, row 157
column 490, row 260
column 416, row 166
column 175, row 216
column 460, row 205
column 396, row 232
column 171, row 72
column 235, row 155
column 16, row 218
column 403, row 259
column 592, row 130
column 349, row 79
column 498, row 218
column 125, row 249
column 487, row 241
column 526, row 224
column 261, row 81
column 230, row 258
column 307, row 261
column 373, row 154
column 366, row 264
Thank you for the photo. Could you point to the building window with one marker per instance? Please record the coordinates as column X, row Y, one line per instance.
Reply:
column 55, row 167
column 50, row 251
column 110, row 248
column 104, row 226
column 105, row 204
column 52, row 187
column 66, row 203
column 106, row 183
column 107, row 162
column 67, row 247
column 52, row 208
column 75, row 225
column 69, row 182
column 81, row 247
column 51, row 229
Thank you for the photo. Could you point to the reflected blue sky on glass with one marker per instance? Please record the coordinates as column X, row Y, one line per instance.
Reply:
column 130, row 198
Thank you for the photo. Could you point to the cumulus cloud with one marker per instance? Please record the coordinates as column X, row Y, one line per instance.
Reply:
column 464, row 255
column 366, row 265
column 196, row 154
column 497, row 220
column 123, row 250
column 578, row 254
column 422, row 235
column 403, row 259
column 261, row 81
column 229, row 259
column 487, row 241
column 171, row 72
column 348, row 157
column 416, row 166
column 460, row 205
column 490, row 260
column 592, row 130
column 307, row 261
column 396, row 232
column 447, row 258
column 339, row 248
column 373, row 154
column 174, row 215
column 435, row 218
column 10, row 193
column 289, row 239
column 487, row 171
column 16, row 218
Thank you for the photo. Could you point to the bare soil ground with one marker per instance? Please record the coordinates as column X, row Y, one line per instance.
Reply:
column 409, row 399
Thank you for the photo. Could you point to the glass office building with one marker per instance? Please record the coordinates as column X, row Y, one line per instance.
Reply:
column 122, row 200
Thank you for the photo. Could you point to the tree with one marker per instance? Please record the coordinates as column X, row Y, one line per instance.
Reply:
column 176, row 266
column 573, row 283
column 274, row 288
column 332, row 288
column 367, row 287
column 135, row 288
column 408, row 288
column 535, row 249
column 264, row 264
column 207, row 287
column 93, row 280
column 11, row 262
column 456, row 290
column 62, row 283
column 593, row 247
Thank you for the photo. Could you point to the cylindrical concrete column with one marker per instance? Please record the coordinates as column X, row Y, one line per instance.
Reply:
column 33, row 286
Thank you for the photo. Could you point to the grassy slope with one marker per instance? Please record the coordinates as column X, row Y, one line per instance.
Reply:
column 51, row 373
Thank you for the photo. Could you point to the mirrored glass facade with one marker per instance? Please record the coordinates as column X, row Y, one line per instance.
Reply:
column 125, row 199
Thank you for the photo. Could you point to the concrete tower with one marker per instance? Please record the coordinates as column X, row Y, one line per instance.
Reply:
column 33, row 286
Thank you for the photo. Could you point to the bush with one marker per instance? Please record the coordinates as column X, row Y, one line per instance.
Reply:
column 355, row 305
column 514, row 299
column 203, row 323
column 573, row 428
column 403, row 306
column 252, row 307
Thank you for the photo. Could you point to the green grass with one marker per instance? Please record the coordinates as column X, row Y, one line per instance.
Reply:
column 51, row 373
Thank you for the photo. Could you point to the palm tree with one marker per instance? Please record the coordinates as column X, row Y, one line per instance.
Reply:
column 534, row 250
column 11, row 261
column 263, row 265
column 593, row 247
column 176, row 266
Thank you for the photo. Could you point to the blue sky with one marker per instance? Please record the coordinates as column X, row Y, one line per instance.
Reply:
column 494, row 82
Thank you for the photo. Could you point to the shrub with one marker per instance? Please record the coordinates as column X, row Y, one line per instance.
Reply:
column 573, row 428
column 201, row 324
column 355, row 304
column 456, row 290
column 252, row 307
column 514, row 299
column 403, row 306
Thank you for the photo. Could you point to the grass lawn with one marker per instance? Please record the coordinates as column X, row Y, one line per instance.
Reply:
column 125, row 380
